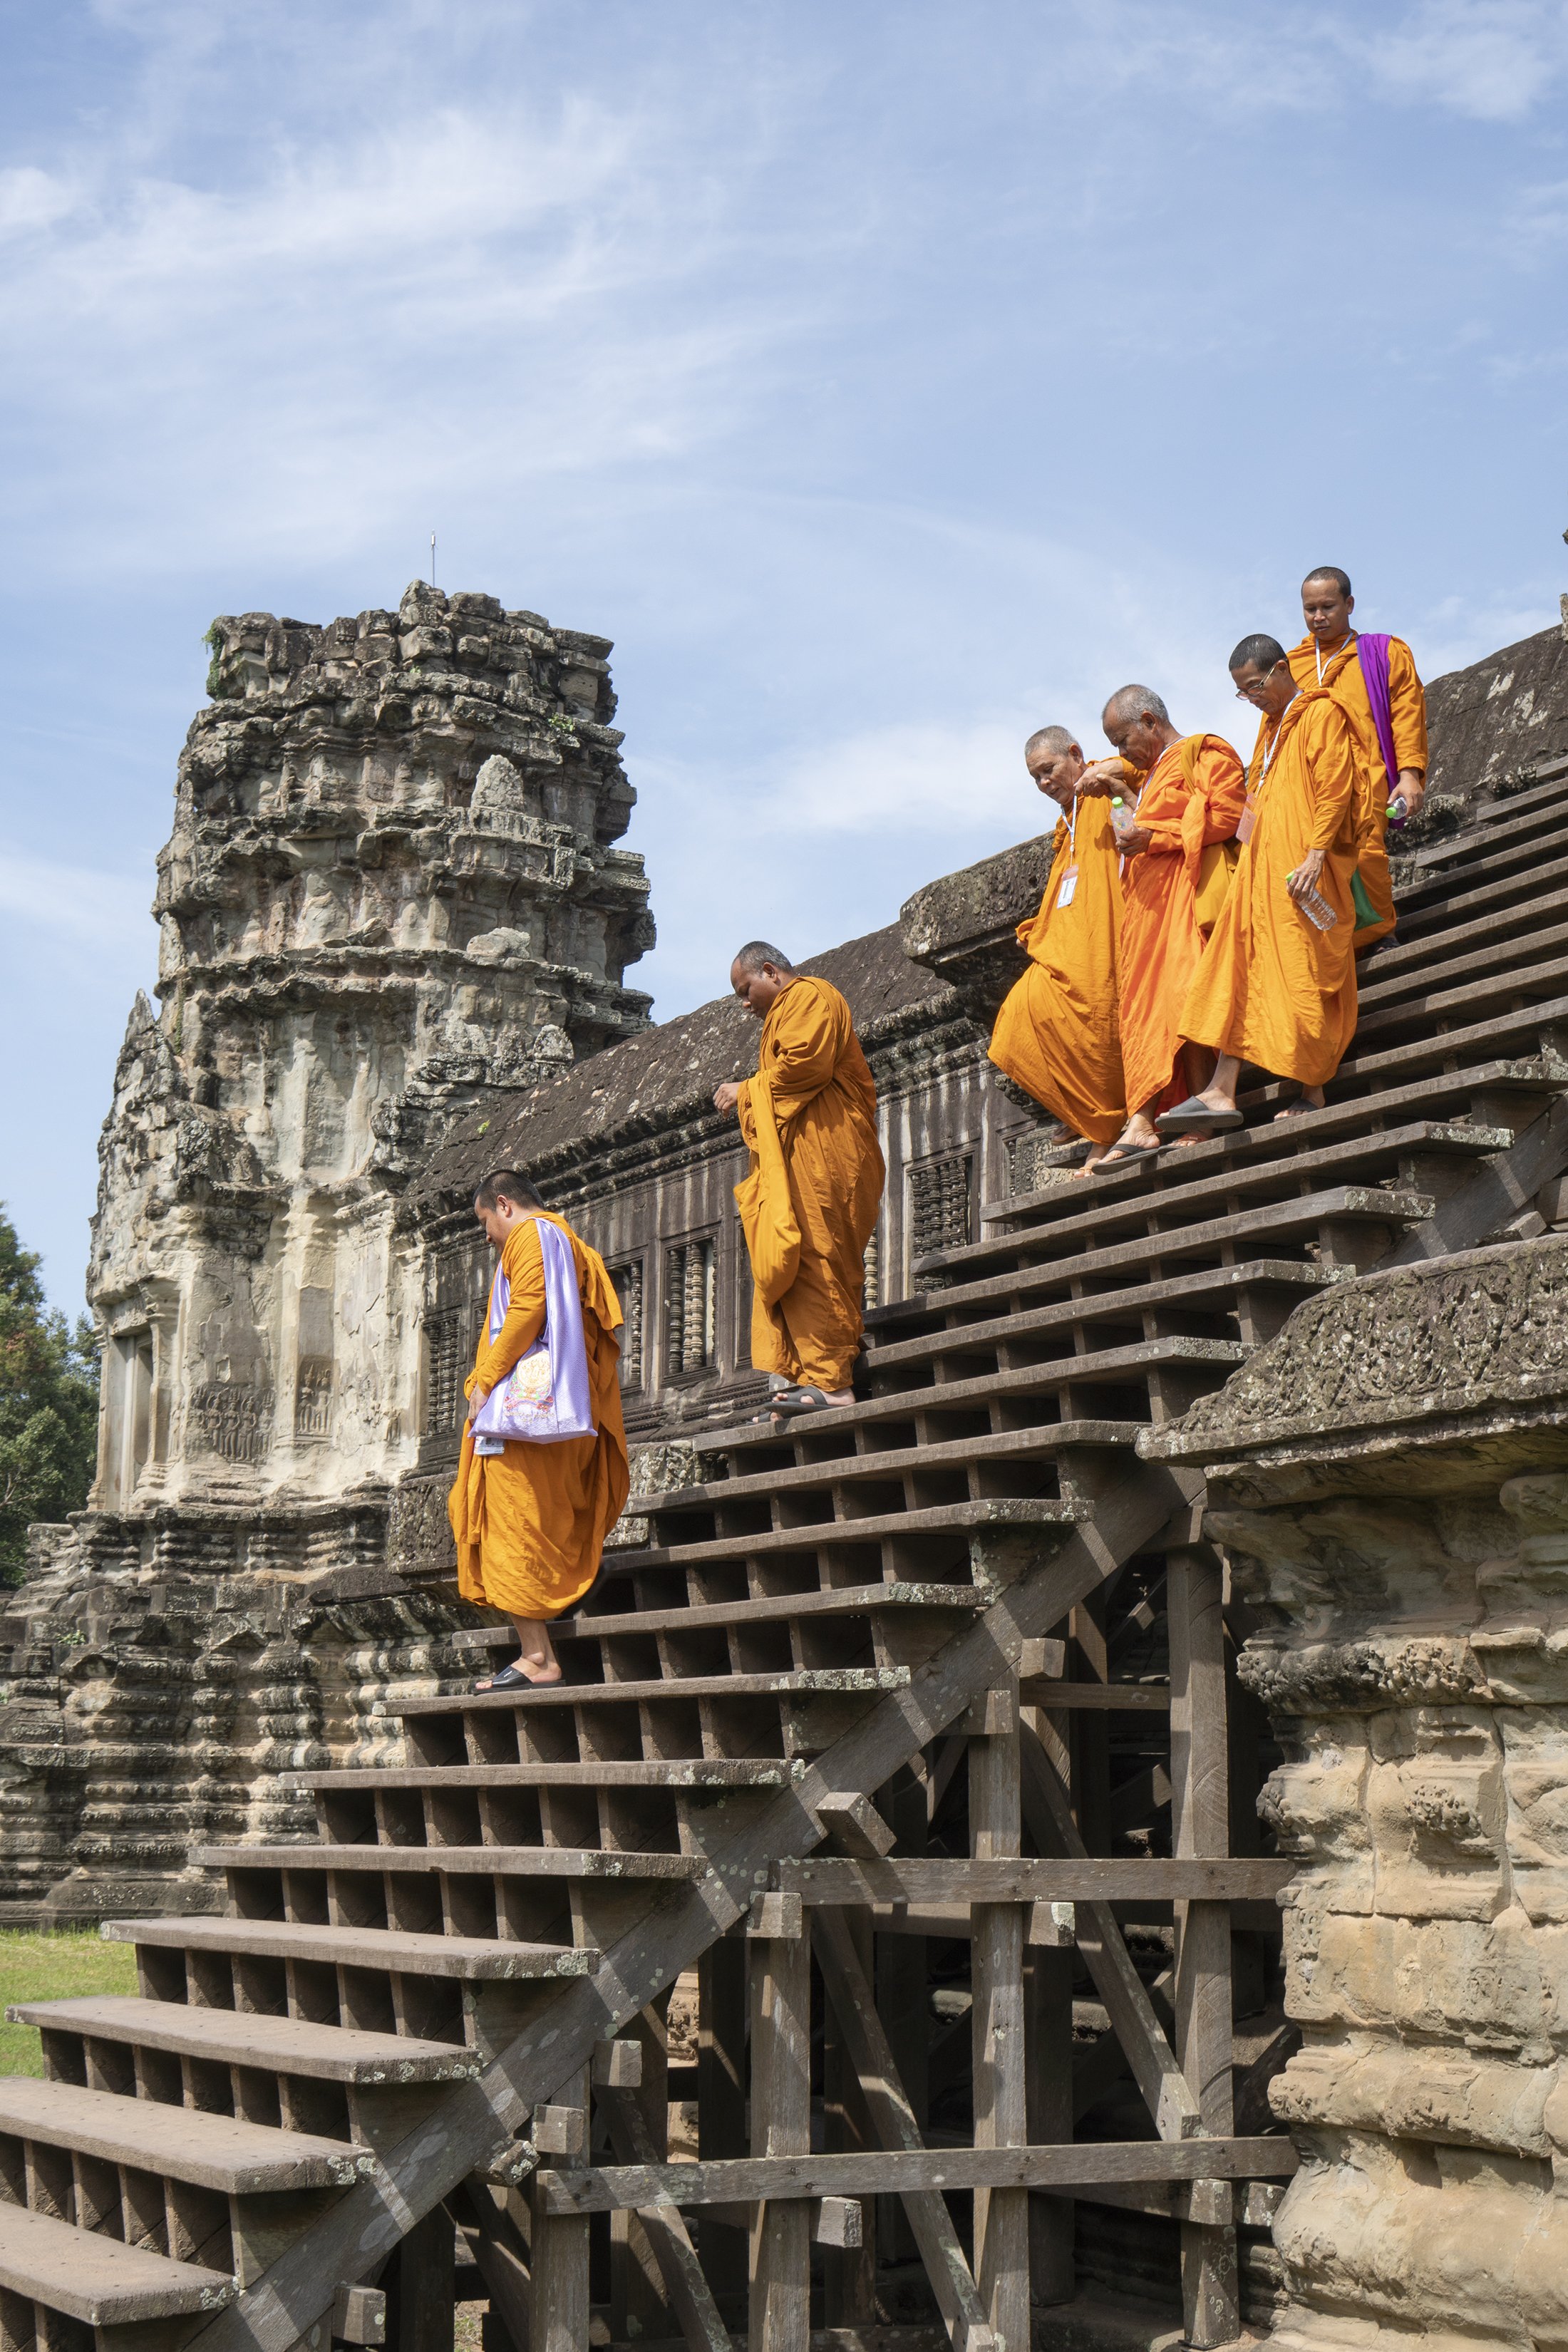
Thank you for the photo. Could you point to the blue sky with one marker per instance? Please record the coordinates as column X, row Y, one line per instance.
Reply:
column 885, row 378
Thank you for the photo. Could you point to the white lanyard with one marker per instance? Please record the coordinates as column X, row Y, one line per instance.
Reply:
column 1318, row 651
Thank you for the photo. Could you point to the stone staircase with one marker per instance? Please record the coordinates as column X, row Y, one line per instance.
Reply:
column 415, row 2006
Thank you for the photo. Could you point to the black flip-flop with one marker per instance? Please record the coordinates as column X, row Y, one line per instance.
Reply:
column 509, row 1679
column 805, row 1399
column 1121, row 1153
column 1195, row 1118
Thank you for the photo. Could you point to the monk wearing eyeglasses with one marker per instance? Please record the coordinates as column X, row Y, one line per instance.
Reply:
column 1182, row 799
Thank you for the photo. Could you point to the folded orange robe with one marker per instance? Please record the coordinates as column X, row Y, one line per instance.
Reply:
column 1342, row 670
column 810, row 1202
column 529, row 1523
column 1190, row 800
column 1271, row 988
column 1056, row 1034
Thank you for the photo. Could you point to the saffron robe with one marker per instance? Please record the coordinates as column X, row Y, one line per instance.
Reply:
column 1271, row 988
column 1056, row 1034
column 530, row 1522
column 1188, row 804
column 810, row 1201
column 1407, row 715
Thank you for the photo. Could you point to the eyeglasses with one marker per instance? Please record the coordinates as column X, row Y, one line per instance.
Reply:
column 1250, row 693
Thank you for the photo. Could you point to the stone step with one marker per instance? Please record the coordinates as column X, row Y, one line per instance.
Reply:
column 277, row 2045
column 470, row 1959
column 212, row 2151
column 97, row 2279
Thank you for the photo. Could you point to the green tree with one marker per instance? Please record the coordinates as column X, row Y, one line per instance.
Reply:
column 48, row 1405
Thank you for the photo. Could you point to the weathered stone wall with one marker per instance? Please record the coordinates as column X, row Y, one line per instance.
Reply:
column 391, row 884
column 1390, row 1477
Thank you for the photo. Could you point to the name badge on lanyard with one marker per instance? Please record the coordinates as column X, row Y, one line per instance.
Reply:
column 1068, row 886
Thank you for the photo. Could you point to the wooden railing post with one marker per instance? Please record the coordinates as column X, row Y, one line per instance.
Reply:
column 1001, row 2115
column 781, row 2125
column 558, row 2247
column 1201, row 1826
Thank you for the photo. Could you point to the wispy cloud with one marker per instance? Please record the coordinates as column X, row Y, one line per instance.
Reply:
column 78, row 904
column 1493, row 60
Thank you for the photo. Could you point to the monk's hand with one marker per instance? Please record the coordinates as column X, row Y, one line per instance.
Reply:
column 726, row 1097
column 476, row 1403
column 1136, row 837
column 1102, row 781
column 1303, row 878
column 1411, row 789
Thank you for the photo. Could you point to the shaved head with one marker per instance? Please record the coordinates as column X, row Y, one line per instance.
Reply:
column 1342, row 580
column 756, row 953
column 1263, row 653
column 1055, row 740
column 1130, row 703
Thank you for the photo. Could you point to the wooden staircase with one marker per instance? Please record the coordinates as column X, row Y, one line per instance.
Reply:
column 940, row 1675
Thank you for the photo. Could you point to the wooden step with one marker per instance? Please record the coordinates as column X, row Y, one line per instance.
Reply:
column 471, row 1959
column 843, row 1471
column 1528, row 1027
column 97, row 2279
column 1398, row 960
column 1449, row 899
column 801, row 1682
column 680, row 1772
column 988, row 1517
column 486, row 1860
column 213, row 2152
column 833, row 1601
column 279, row 2045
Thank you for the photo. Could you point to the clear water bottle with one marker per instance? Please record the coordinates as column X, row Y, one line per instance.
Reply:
column 1122, row 817
column 1397, row 809
column 1318, row 911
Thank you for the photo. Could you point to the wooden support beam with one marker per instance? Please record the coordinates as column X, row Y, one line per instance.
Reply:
column 638, row 2305
column 1008, row 1879
column 1095, row 1699
column 997, row 2021
column 904, row 2172
column 854, row 1822
column 1049, row 2085
column 423, row 2298
column 1165, row 2088
column 902, row 1989
column 486, row 2218
column 722, row 2094
column 1200, row 1781
column 558, row 2245
column 893, row 2120
column 781, row 2128
column 690, row 2296
column 850, row 2271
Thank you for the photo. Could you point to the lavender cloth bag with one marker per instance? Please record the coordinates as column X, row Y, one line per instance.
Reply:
column 545, row 1398
column 1371, row 652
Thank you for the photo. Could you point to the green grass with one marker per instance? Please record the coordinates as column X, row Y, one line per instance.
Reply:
column 54, row 1967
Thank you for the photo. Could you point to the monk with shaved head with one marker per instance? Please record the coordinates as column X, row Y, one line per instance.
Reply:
column 809, row 1202
column 1182, row 800
column 1375, row 679
column 1056, row 1034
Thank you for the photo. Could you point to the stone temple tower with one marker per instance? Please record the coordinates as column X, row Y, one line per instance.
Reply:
column 391, row 884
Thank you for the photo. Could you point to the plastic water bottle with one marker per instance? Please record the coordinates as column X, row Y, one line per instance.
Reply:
column 1318, row 911
column 1122, row 817
column 1397, row 809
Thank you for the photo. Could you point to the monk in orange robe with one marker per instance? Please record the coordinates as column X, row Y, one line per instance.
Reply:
column 1187, row 800
column 529, row 1521
column 1277, row 988
column 1329, row 655
column 1056, row 1034
column 810, row 1199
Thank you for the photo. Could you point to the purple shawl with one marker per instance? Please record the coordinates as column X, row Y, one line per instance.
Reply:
column 1372, row 654
column 545, row 1398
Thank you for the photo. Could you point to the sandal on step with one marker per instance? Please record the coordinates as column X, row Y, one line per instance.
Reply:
column 509, row 1678
column 1195, row 1116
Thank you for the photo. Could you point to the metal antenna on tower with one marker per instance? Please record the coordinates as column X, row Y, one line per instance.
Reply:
column 432, row 559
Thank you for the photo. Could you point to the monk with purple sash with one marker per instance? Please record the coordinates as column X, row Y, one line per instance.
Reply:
column 1375, row 682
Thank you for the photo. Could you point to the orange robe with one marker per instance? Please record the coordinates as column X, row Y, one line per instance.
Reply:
column 1342, row 671
column 530, row 1522
column 1271, row 988
column 1188, row 804
column 1056, row 1034
column 810, row 1201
